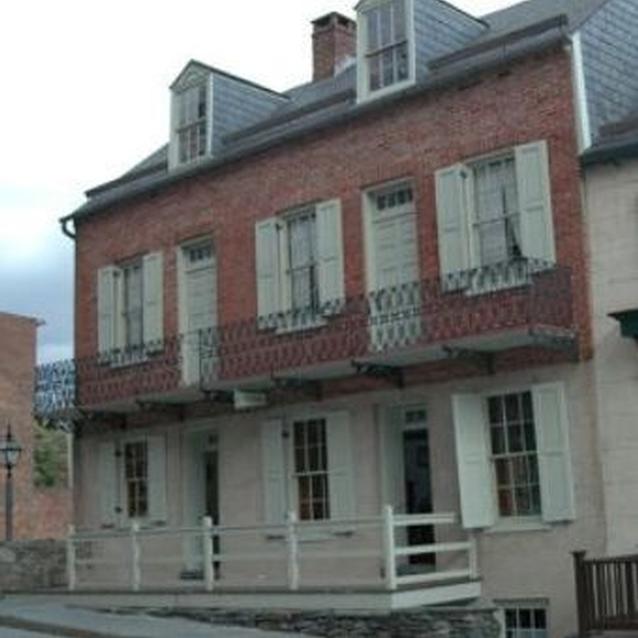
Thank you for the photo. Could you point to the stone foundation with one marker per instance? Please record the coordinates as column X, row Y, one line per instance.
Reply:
column 458, row 622
column 26, row 566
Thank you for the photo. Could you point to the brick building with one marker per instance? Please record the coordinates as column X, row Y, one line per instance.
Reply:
column 362, row 304
column 38, row 513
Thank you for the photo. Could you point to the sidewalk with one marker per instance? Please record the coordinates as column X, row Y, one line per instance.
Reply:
column 36, row 618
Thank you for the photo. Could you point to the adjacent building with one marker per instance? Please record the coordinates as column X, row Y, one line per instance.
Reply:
column 351, row 324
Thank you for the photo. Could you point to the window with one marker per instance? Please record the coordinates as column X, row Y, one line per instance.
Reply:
column 514, row 454
column 300, row 231
column 133, row 305
column 311, row 469
column 496, row 227
column 192, row 130
column 528, row 621
column 386, row 48
column 136, row 479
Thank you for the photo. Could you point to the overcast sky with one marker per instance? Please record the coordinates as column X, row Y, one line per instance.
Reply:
column 85, row 96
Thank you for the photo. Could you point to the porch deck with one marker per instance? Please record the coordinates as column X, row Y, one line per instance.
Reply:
column 360, row 564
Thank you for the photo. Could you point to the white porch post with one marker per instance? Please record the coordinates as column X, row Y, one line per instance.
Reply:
column 292, row 542
column 70, row 558
column 389, row 548
column 207, row 540
column 136, row 571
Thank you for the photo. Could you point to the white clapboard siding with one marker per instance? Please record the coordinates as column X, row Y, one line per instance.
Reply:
column 267, row 265
column 153, row 269
column 472, row 454
column 107, row 309
column 273, row 472
column 157, row 479
column 340, row 466
column 107, row 488
column 535, row 202
column 330, row 256
column 452, row 221
column 552, row 434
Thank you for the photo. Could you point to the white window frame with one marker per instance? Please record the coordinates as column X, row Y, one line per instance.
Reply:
column 124, row 500
column 364, row 92
column 523, row 604
column 122, row 310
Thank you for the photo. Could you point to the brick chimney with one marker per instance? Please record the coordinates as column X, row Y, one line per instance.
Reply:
column 334, row 41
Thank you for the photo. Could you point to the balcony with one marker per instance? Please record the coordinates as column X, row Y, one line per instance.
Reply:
column 474, row 315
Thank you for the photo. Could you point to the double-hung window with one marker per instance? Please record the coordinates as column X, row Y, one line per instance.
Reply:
column 301, row 271
column 514, row 454
column 192, row 129
column 132, row 305
column 311, row 469
column 496, row 223
column 136, row 478
column 387, row 45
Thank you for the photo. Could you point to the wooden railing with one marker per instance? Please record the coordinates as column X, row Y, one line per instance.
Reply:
column 370, row 552
column 607, row 593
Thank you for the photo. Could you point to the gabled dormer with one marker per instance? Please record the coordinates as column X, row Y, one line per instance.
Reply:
column 206, row 105
column 397, row 38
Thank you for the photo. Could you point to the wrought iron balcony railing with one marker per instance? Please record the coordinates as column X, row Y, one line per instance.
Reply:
column 520, row 303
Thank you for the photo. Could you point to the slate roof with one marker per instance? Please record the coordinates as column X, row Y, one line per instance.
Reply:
column 513, row 32
column 617, row 141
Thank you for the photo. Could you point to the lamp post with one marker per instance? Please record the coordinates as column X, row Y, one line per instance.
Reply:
column 10, row 451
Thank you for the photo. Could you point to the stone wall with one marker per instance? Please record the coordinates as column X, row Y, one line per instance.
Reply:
column 32, row 565
column 456, row 622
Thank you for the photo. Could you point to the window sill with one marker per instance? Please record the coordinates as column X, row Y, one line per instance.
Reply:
column 315, row 537
column 514, row 526
column 312, row 324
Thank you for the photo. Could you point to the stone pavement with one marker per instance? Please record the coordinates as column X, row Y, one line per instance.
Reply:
column 21, row 617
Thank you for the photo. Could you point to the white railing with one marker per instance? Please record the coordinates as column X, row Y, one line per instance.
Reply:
column 372, row 552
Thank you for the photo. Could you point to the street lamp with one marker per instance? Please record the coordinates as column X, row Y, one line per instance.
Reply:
column 10, row 451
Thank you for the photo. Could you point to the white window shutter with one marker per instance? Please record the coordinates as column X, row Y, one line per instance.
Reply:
column 340, row 466
column 472, row 456
column 274, row 472
column 453, row 223
column 107, row 309
column 267, row 265
column 157, row 511
column 535, row 202
column 330, row 256
column 107, row 476
column 153, row 315
column 554, row 464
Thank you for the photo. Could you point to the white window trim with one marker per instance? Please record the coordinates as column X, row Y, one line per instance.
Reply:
column 121, row 470
column 363, row 91
column 504, row 604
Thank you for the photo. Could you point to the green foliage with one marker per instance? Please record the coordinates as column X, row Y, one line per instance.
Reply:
column 50, row 457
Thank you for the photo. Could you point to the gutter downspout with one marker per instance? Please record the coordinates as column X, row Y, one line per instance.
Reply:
column 63, row 223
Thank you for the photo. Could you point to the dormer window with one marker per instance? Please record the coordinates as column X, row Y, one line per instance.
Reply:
column 192, row 133
column 385, row 46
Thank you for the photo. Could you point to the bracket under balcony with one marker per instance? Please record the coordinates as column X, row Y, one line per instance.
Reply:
column 177, row 410
column 392, row 374
column 220, row 397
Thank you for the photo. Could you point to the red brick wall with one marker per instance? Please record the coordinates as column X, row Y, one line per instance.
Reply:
column 530, row 101
column 37, row 513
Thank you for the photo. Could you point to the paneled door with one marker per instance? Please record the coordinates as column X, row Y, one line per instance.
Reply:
column 200, row 311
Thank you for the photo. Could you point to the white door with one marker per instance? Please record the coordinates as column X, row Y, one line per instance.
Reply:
column 394, row 276
column 200, row 299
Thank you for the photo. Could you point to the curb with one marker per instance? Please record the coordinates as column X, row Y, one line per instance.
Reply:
column 60, row 631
